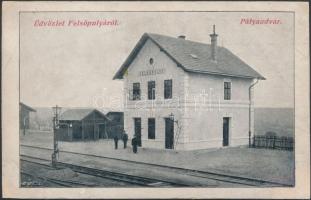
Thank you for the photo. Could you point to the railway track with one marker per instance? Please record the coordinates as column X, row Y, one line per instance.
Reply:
column 220, row 177
column 58, row 182
column 116, row 176
column 43, row 163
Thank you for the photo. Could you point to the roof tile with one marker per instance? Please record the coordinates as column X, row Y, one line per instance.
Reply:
column 180, row 50
column 76, row 114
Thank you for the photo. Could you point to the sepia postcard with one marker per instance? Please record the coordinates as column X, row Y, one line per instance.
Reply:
column 134, row 100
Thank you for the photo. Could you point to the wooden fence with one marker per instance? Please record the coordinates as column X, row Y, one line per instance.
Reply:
column 274, row 142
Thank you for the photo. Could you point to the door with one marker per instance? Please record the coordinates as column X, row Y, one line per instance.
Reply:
column 225, row 141
column 151, row 128
column 169, row 133
column 137, row 127
column 77, row 131
column 102, row 131
column 96, row 132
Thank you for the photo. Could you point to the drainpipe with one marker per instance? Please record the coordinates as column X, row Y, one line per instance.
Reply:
column 249, row 112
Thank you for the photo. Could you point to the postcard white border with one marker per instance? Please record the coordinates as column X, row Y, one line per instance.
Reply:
column 10, row 108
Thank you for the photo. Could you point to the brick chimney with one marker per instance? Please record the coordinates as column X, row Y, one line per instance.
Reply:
column 214, row 44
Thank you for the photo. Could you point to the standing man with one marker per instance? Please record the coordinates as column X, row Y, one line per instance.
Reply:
column 124, row 138
column 116, row 140
column 134, row 144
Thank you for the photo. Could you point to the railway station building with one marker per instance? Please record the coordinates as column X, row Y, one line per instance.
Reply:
column 185, row 95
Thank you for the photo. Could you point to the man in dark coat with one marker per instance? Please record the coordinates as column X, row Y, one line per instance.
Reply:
column 116, row 140
column 124, row 138
column 134, row 144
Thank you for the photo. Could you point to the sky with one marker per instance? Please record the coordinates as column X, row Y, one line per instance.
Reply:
column 73, row 66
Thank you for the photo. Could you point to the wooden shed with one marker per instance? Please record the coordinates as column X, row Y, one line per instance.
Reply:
column 116, row 123
column 82, row 124
column 24, row 112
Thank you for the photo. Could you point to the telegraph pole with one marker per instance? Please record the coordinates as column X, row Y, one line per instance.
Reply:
column 56, row 111
column 250, row 114
column 24, row 127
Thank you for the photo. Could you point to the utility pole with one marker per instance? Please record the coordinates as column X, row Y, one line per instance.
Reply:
column 24, row 127
column 56, row 111
column 250, row 114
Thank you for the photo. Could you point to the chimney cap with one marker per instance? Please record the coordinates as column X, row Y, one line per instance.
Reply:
column 214, row 32
column 214, row 44
column 182, row 37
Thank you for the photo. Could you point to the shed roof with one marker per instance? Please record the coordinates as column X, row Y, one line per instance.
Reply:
column 27, row 107
column 194, row 57
column 78, row 114
column 108, row 110
column 115, row 112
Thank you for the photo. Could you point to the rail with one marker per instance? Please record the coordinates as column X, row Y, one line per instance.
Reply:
column 241, row 180
column 116, row 176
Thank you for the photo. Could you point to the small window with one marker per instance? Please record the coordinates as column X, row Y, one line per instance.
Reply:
column 151, row 90
column 194, row 56
column 151, row 128
column 227, row 90
column 136, row 91
column 168, row 89
column 151, row 61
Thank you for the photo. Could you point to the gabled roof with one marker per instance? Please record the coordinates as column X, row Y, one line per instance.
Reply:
column 114, row 112
column 193, row 57
column 27, row 107
column 108, row 110
column 78, row 114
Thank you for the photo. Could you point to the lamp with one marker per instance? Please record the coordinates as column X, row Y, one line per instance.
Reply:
column 56, row 111
column 171, row 116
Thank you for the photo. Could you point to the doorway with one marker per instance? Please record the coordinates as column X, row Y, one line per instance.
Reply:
column 137, row 129
column 169, row 133
column 226, row 125
column 77, row 131
column 102, row 131
column 151, row 128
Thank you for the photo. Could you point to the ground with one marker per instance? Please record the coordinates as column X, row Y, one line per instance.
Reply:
column 273, row 165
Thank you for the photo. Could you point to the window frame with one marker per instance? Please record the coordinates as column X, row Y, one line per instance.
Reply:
column 168, row 89
column 138, row 95
column 227, row 90
column 151, row 90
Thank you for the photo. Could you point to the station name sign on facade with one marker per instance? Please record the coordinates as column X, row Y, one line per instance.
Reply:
column 151, row 72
